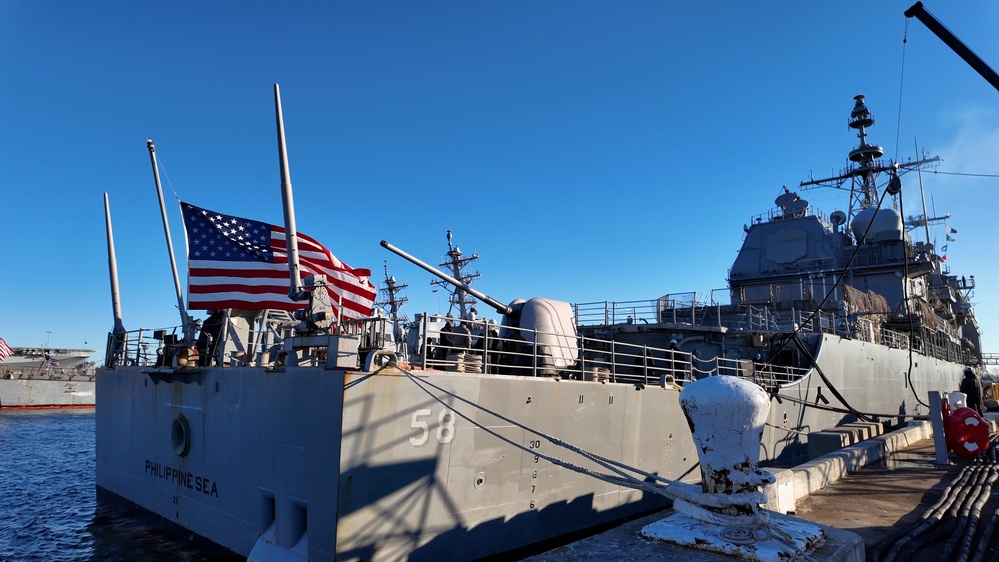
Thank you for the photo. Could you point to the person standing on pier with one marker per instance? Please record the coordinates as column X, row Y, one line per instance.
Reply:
column 972, row 388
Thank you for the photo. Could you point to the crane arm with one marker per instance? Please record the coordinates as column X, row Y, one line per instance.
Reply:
column 954, row 43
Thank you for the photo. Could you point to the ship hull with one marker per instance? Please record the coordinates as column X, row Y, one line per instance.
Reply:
column 871, row 378
column 441, row 466
column 361, row 466
column 46, row 393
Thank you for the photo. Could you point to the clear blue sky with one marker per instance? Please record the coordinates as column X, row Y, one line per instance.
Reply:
column 587, row 150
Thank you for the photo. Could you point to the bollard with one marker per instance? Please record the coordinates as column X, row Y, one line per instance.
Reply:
column 726, row 415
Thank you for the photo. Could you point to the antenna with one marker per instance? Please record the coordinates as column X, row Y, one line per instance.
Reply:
column 295, row 290
column 187, row 324
column 116, row 342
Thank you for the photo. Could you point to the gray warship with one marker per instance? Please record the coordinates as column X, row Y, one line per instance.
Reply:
column 46, row 377
column 870, row 318
column 301, row 437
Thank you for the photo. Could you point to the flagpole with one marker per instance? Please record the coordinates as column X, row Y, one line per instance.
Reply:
column 185, row 319
column 295, row 291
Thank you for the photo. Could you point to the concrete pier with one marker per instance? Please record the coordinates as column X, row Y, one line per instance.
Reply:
column 855, row 506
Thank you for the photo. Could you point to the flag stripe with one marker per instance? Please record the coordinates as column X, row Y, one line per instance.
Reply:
column 234, row 301
column 5, row 350
column 209, row 289
column 241, row 263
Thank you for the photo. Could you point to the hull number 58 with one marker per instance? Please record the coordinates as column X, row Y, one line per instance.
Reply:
column 445, row 426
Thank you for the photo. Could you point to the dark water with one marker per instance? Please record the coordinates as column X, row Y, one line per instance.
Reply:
column 48, row 505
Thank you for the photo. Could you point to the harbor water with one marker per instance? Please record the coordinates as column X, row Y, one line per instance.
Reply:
column 49, row 509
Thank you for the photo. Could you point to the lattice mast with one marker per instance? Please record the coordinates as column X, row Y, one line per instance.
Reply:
column 456, row 264
column 392, row 304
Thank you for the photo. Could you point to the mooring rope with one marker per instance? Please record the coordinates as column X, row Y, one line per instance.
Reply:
column 688, row 499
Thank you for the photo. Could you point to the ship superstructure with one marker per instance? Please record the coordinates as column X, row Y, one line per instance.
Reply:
column 45, row 357
column 876, row 317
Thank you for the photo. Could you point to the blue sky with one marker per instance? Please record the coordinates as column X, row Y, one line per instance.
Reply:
column 588, row 151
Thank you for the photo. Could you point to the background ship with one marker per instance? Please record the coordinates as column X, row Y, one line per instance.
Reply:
column 311, row 438
column 43, row 377
column 25, row 358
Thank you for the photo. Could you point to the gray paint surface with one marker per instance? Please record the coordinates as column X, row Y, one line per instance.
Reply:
column 370, row 467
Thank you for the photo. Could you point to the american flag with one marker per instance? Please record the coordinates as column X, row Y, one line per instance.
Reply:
column 234, row 262
column 5, row 350
column 51, row 361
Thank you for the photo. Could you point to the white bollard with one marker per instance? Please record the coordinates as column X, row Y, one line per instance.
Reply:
column 726, row 415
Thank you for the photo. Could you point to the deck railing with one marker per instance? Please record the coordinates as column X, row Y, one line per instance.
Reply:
column 474, row 346
column 139, row 347
column 582, row 358
column 675, row 308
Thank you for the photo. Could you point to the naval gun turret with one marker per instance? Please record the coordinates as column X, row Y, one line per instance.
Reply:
column 547, row 323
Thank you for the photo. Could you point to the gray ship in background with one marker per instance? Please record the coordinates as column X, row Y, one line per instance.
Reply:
column 46, row 377
column 873, row 318
column 301, row 437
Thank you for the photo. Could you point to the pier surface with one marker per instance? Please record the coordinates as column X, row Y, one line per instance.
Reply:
column 864, row 506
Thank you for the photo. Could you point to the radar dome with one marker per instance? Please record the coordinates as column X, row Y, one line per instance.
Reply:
column 886, row 224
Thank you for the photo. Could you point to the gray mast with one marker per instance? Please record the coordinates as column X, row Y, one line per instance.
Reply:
column 866, row 164
column 186, row 322
column 865, row 155
column 393, row 304
column 295, row 291
column 456, row 265
column 117, row 339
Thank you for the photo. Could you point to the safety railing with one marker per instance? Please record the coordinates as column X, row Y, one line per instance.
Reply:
column 676, row 308
column 140, row 347
column 474, row 346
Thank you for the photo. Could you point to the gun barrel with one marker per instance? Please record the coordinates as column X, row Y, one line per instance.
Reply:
column 500, row 307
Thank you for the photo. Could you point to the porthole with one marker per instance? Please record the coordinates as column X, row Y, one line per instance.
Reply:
column 180, row 436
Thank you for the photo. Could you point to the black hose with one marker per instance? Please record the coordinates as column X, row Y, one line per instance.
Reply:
column 981, row 549
column 974, row 513
column 957, row 515
column 947, row 524
column 903, row 536
column 929, row 518
column 912, row 328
